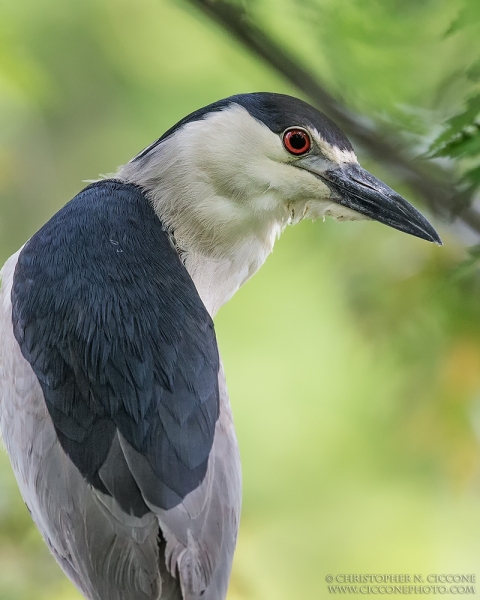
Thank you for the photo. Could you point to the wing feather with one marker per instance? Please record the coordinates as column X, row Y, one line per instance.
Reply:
column 113, row 327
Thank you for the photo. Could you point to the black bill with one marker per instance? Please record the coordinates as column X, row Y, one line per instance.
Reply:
column 360, row 191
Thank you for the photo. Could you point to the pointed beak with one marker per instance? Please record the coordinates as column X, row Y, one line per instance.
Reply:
column 360, row 191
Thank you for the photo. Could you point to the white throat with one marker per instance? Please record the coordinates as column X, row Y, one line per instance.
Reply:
column 217, row 279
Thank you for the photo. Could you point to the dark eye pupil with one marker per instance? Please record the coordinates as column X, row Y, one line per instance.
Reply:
column 297, row 141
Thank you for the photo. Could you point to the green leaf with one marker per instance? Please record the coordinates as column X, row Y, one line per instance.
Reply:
column 467, row 17
column 464, row 144
column 473, row 176
column 473, row 73
column 456, row 140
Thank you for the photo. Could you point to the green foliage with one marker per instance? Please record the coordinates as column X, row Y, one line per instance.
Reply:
column 460, row 139
column 389, row 60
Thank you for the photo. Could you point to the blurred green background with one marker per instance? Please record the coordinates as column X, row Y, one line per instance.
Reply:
column 353, row 357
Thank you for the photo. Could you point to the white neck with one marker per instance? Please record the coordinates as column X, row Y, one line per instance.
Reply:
column 220, row 238
column 217, row 279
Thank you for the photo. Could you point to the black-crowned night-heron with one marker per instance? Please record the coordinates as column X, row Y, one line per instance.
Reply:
column 114, row 409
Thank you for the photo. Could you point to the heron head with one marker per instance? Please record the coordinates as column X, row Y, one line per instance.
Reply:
column 263, row 156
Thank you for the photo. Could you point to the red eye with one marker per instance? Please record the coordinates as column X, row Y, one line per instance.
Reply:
column 296, row 141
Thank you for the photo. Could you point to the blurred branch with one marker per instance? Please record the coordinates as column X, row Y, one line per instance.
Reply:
column 427, row 179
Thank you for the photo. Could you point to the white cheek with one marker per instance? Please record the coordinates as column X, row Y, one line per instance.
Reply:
column 292, row 184
column 235, row 152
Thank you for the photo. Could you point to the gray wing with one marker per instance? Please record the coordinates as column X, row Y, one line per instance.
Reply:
column 182, row 552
